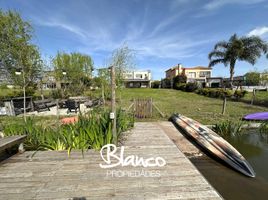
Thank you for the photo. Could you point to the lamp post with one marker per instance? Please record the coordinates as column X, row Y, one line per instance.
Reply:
column 21, row 72
column 64, row 73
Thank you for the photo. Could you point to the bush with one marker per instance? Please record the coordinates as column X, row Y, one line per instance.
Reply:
column 166, row 83
column 3, row 86
column 180, row 86
column 59, row 94
column 264, row 128
column 179, row 79
column 215, row 93
column 238, row 94
column 191, row 87
column 155, row 84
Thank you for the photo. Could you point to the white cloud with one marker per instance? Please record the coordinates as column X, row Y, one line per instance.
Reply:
column 54, row 23
column 259, row 31
column 215, row 4
column 158, row 39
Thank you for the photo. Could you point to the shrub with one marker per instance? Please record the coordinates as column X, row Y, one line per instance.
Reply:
column 19, row 93
column 155, row 84
column 238, row 94
column 264, row 128
column 191, row 87
column 3, row 86
column 215, row 93
column 179, row 79
column 166, row 83
column 181, row 86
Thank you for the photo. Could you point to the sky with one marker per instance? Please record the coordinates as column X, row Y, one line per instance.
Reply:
column 161, row 33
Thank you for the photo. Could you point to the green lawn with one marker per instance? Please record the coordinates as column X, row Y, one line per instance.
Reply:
column 260, row 96
column 204, row 109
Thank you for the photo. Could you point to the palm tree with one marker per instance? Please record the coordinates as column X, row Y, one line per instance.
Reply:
column 247, row 49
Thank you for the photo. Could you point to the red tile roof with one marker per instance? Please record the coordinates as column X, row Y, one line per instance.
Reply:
column 197, row 67
column 183, row 68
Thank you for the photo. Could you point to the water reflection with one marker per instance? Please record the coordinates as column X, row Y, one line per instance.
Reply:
column 231, row 184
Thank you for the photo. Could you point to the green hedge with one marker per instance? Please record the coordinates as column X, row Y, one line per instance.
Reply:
column 187, row 87
column 220, row 93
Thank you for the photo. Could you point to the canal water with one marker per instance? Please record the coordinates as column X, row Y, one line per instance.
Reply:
column 231, row 184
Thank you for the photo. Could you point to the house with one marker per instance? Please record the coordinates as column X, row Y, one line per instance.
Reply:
column 48, row 80
column 237, row 81
column 264, row 79
column 197, row 74
column 214, row 82
column 137, row 79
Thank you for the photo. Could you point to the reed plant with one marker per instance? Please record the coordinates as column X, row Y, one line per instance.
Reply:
column 263, row 129
column 92, row 131
column 228, row 128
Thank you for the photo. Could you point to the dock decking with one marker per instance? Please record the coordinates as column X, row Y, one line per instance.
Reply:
column 52, row 175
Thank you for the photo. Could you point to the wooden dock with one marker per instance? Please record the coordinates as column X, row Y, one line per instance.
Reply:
column 52, row 175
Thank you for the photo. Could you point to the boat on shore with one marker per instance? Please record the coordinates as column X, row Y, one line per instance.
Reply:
column 214, row 144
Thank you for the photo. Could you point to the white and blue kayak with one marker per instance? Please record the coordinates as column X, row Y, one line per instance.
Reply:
column 214, row 144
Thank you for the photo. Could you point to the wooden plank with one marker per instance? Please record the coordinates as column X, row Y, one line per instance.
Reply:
column 8, row 142
column 54, row 175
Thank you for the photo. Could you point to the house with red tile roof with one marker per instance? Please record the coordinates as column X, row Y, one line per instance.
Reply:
column 197, row 74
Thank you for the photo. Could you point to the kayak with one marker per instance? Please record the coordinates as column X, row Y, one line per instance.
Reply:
column 214, row 144
column 260, row 116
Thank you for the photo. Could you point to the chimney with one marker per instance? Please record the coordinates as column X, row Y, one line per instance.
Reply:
column 180, row 67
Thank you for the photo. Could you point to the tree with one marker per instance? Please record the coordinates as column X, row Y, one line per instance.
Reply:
column 103, row 82
column 73, row 68
column 123, row 59
column 247, row 49
column 17, row 53
column 252, row 78
column 179, row 79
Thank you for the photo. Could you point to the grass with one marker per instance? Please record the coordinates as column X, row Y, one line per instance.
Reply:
column 204, row 109
column 261, row 96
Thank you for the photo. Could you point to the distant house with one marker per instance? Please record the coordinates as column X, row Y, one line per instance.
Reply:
column 237, row 81
column 137, row 79
column 197, row 74
column 264, row 79
column 214, row 82
column 49, row 80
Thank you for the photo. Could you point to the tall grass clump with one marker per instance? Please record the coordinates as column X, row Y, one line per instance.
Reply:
column 92, row 131
column 264, row 128
column 263, row 131
column 228, row 128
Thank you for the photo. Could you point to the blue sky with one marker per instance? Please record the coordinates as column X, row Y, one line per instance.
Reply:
column 162, row 33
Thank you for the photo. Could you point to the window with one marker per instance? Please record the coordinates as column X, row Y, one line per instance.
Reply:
column 138, row 76
column 204, row 74
column 128, row 76
column 191, row 75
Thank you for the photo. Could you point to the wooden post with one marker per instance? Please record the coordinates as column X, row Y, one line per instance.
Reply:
column 253, row 96
column 102, row 94
column 223, row 106
column 24, row 95
column 113, row 104
column 57, row 104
